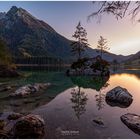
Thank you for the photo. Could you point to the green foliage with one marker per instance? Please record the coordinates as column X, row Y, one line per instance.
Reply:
column 100, row 64
column 80, row 63
column 5, row 57
column 89, row 82
column 80, row 44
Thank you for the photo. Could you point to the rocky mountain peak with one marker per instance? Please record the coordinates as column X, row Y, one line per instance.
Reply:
column 13, row 9
column 18, row 12
column 33, row 37
column 2, row 15
column 16, row 15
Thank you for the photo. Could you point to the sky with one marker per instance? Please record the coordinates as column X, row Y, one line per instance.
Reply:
column 123, row 36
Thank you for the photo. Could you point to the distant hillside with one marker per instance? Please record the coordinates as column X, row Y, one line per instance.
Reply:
column 27, row 36
column 109, row 56
column 134, row 57
column 133, row 61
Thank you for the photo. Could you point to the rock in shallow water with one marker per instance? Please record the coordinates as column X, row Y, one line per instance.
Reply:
column 29, row 89
column 119, row 96
column 98, row 121
column 132, row 121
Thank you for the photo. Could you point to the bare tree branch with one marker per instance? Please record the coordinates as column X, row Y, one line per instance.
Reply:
column 119, row 9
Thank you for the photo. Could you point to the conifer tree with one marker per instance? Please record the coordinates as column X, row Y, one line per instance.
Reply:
column 81, row 42
column 102, row 46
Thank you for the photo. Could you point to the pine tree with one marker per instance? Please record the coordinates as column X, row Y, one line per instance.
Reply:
column 102, row 46
column 81, row 42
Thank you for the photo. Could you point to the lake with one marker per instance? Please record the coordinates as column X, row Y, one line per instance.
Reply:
column 70, row 105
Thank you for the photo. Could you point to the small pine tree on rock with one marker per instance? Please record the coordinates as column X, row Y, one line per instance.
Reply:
column 81, row 42
column 102, row 46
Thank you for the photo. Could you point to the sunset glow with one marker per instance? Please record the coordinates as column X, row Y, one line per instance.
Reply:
column 69, row 70
column 122, row 35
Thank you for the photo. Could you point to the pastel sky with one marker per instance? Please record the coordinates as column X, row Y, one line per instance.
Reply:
column 123, row 36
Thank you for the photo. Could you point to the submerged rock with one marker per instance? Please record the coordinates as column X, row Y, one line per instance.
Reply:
column 30, row 89
column 98, row 121
column 6, row 88
column 119, row 96
column 30, row 126
column 132, row 121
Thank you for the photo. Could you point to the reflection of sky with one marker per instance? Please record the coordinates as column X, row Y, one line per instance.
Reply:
column 60, row 112
column 122, row 35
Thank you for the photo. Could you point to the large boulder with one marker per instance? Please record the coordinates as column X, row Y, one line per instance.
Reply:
column 16, row 125
column 132, row 121
column 7, row 122
column 29, row 89
column 119, row 96
column 30, row 126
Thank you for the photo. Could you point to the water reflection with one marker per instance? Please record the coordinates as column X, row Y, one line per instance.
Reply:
column 100, row 97
column 79, row 100
column 129, row 72
column 96, row 82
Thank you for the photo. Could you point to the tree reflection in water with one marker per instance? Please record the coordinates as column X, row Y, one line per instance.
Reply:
column 79, row 99
column 100, row 97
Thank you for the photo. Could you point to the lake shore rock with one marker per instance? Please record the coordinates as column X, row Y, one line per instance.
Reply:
column 119, row 96
column 8, row 72
column 29, row 89
column 5, row 88
column 88, row 71
column 132, row 121
column 16, row 125
column 30, row 126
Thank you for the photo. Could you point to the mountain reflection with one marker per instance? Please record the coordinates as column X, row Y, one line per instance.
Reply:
column 79, row 100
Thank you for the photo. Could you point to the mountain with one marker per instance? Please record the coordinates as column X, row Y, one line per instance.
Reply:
column 25, row 34
column 2, row 15
column 134, row 60
column 108, row 56
column 28, row 36
column 134, row 57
